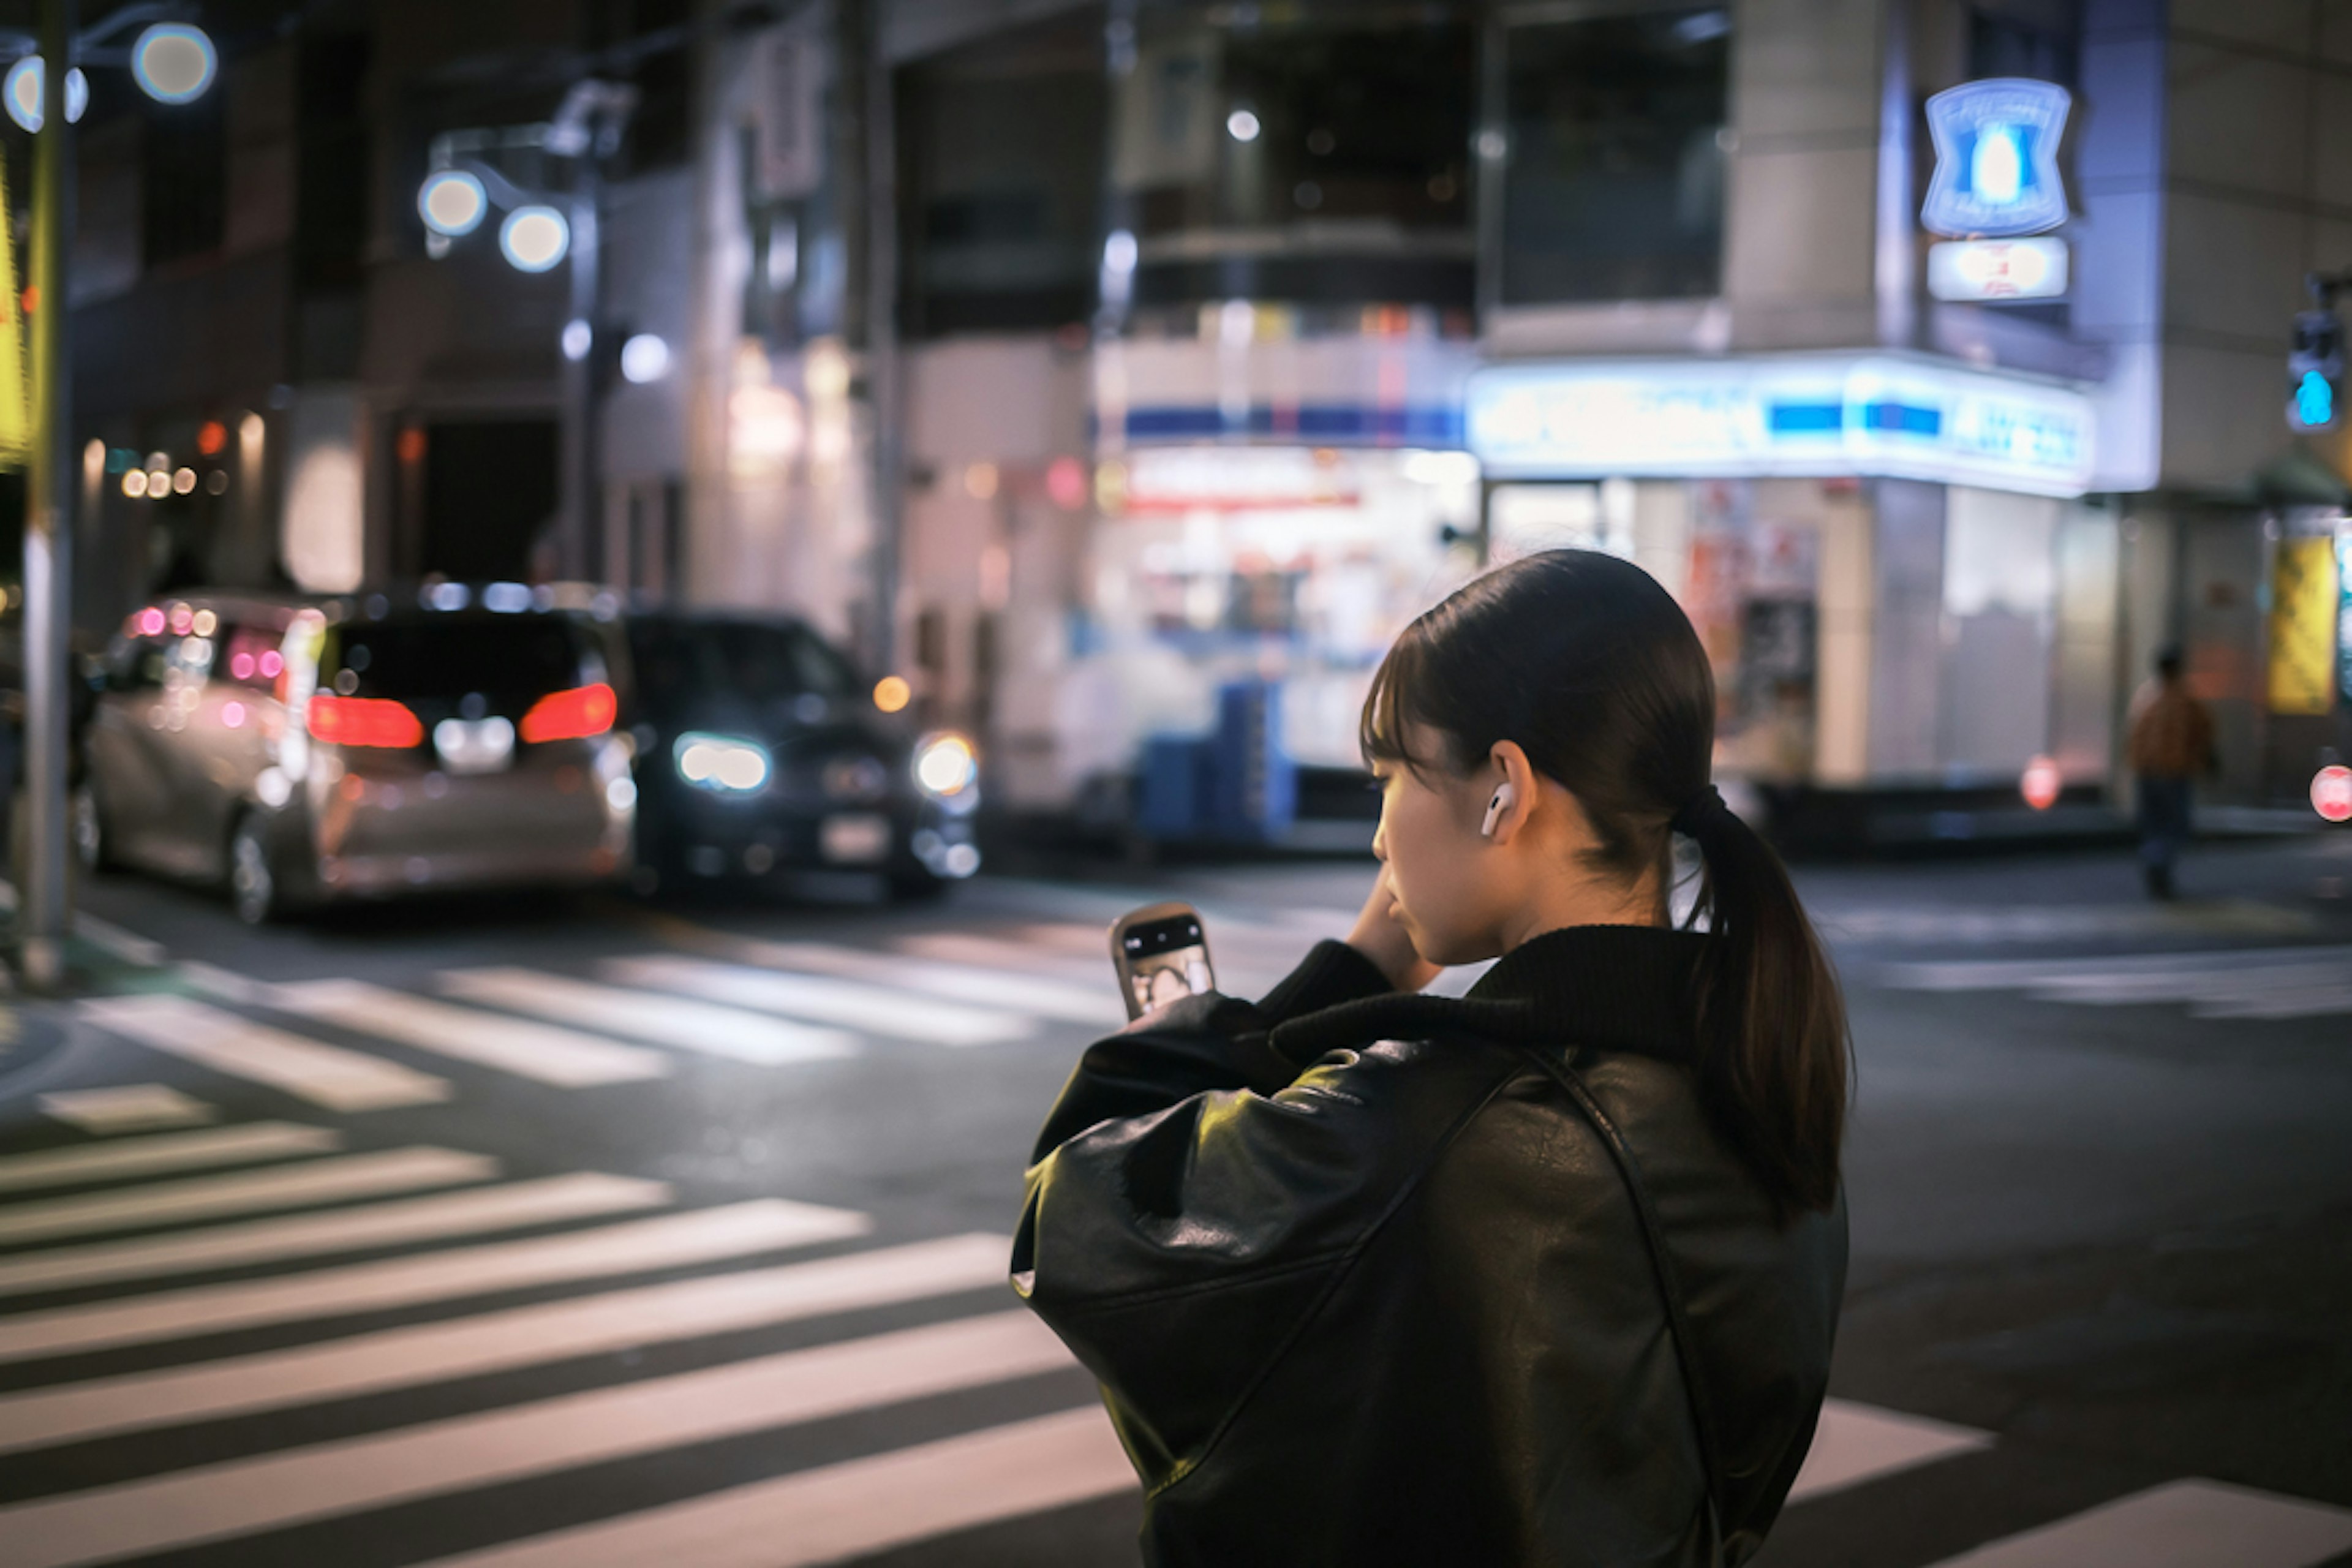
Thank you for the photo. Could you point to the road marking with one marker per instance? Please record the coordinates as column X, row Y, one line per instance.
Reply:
column 325, row 1075
column 221, row 1501
column 2270, row 983
column 1858, row 1443
column 307, row 1185
column 127, row 1108
column 853, row 1509
column 253, row 1141
column 989, row 987
column 671, row 1241
column 665, row 1020
column 2185, row 1524
column 500, row 1341
column 874, row 1008
column 350, row 1229
column 2050, row 922
column 542, row 1052
column 999, row 953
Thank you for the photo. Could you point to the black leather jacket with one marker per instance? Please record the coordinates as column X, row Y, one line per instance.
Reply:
column 1362, row 1287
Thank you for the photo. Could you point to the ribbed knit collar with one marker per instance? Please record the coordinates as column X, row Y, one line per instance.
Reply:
column 1613, row 988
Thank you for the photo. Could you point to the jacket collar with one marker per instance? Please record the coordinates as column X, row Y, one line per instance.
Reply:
column 1611, row 988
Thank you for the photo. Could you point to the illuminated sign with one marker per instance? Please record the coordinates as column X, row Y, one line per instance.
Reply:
column 1980, row 270
column 1818, row 414
column 1995, row 159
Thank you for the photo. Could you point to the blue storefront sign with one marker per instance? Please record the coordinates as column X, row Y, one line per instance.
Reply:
column 1995, row 159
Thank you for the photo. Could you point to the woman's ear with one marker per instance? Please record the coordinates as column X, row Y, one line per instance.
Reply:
column 1512, row 799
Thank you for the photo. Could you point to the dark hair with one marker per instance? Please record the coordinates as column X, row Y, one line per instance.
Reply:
column 1587, row 663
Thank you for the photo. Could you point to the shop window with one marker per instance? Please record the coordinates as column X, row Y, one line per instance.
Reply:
column 2000, row 596
column 2039, row 40
column 1613, row 179
column 1323, row 160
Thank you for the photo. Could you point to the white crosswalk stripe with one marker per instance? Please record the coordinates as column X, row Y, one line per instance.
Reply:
column 826, row 998
column 324, row 1075
column 676, row 1021
column 309, row 1185
column 541, row 1052
column 126, row 1108
column 163, row 1151
column 837, row 1511
column 2267, row 982
column 1015, row 990
column 1856, row 1442
column 2187, row 1524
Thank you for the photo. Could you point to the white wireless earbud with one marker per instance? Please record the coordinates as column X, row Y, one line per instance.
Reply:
column 1495, row 809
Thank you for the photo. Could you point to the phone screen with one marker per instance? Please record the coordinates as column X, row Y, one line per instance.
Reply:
column 1165, row 960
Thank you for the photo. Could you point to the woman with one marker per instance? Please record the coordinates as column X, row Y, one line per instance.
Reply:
column 1545, row 1275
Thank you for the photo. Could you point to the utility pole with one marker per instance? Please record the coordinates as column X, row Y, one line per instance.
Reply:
column 49, row 521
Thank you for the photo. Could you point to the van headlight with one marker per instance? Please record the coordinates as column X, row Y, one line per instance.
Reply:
column 723, row 765
column 946, row 768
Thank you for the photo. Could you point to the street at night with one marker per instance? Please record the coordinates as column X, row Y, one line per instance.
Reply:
column 543, row 1231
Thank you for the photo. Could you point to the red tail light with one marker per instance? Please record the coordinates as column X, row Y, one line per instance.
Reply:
column 364, row 722
column 569, row 715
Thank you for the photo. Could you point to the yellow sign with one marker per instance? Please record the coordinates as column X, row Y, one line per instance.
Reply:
column 2303, row 627
column 15, row 418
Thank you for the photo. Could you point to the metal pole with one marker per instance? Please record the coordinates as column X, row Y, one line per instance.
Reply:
column 49, row 521
column 581, row 514
column 882, row 364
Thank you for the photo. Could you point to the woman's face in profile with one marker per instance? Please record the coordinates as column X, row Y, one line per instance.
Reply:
column 1443, row 872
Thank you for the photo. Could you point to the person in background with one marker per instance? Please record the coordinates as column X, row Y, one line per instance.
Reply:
column 2171, row 743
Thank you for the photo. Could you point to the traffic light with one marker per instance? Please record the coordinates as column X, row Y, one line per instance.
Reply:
column 2314, row 371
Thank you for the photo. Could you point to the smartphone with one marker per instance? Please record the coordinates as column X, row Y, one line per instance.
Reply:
column 1160, row 953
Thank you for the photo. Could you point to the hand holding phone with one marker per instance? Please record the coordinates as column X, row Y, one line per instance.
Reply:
column 1162, row 954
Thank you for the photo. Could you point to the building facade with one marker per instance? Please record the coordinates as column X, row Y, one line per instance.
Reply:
column 1103, row 367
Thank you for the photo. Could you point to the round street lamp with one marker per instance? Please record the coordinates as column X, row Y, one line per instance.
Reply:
column 534, row 238
column 22, row 91
column 452, row 203
column 174, row 63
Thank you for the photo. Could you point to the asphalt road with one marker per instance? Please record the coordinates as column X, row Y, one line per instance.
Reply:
column 579, row 1232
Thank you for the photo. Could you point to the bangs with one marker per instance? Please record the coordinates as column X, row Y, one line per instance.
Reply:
column 1395, row 702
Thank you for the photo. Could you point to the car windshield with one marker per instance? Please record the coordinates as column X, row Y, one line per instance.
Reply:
column 523, row 657
column 677, row 663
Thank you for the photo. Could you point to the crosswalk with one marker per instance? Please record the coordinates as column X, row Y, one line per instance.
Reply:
column 636, row 1019
column 730, row 1329
column 270, row 1340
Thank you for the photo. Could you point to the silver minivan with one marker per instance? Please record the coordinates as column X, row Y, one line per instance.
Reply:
column 302, row 752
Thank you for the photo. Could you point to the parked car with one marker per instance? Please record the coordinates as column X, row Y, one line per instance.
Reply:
column 305, row 750
column 760, row 749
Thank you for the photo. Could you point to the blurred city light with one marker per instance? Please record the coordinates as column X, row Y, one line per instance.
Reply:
column 134, row 482
column 2331, row 793
column 643, row 358
column 172, row 62
column 452, row 203
column 945, row 765
column 211, row 436
column 1065, row 483
column 722, row 764
column 22, row 90
column 1242, row 125
column 891, row 693
column 979, row 481
column 579, row 337
column 2040, row 782
column 534, row 238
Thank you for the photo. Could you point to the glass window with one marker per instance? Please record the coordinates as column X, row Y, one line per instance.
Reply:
column 516, row 659
column 1615, row 174
column 677, row 663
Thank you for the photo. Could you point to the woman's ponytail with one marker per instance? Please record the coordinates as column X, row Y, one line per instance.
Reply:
column 1772, row 1041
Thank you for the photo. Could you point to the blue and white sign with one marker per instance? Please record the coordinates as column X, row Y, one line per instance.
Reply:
column 1801, row 414
column 1995, row 159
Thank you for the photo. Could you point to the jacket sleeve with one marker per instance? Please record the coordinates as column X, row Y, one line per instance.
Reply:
column 1191, row 1192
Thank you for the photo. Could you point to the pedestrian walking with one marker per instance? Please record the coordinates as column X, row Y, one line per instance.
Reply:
column 1544, row 1274
column 2172, row 743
